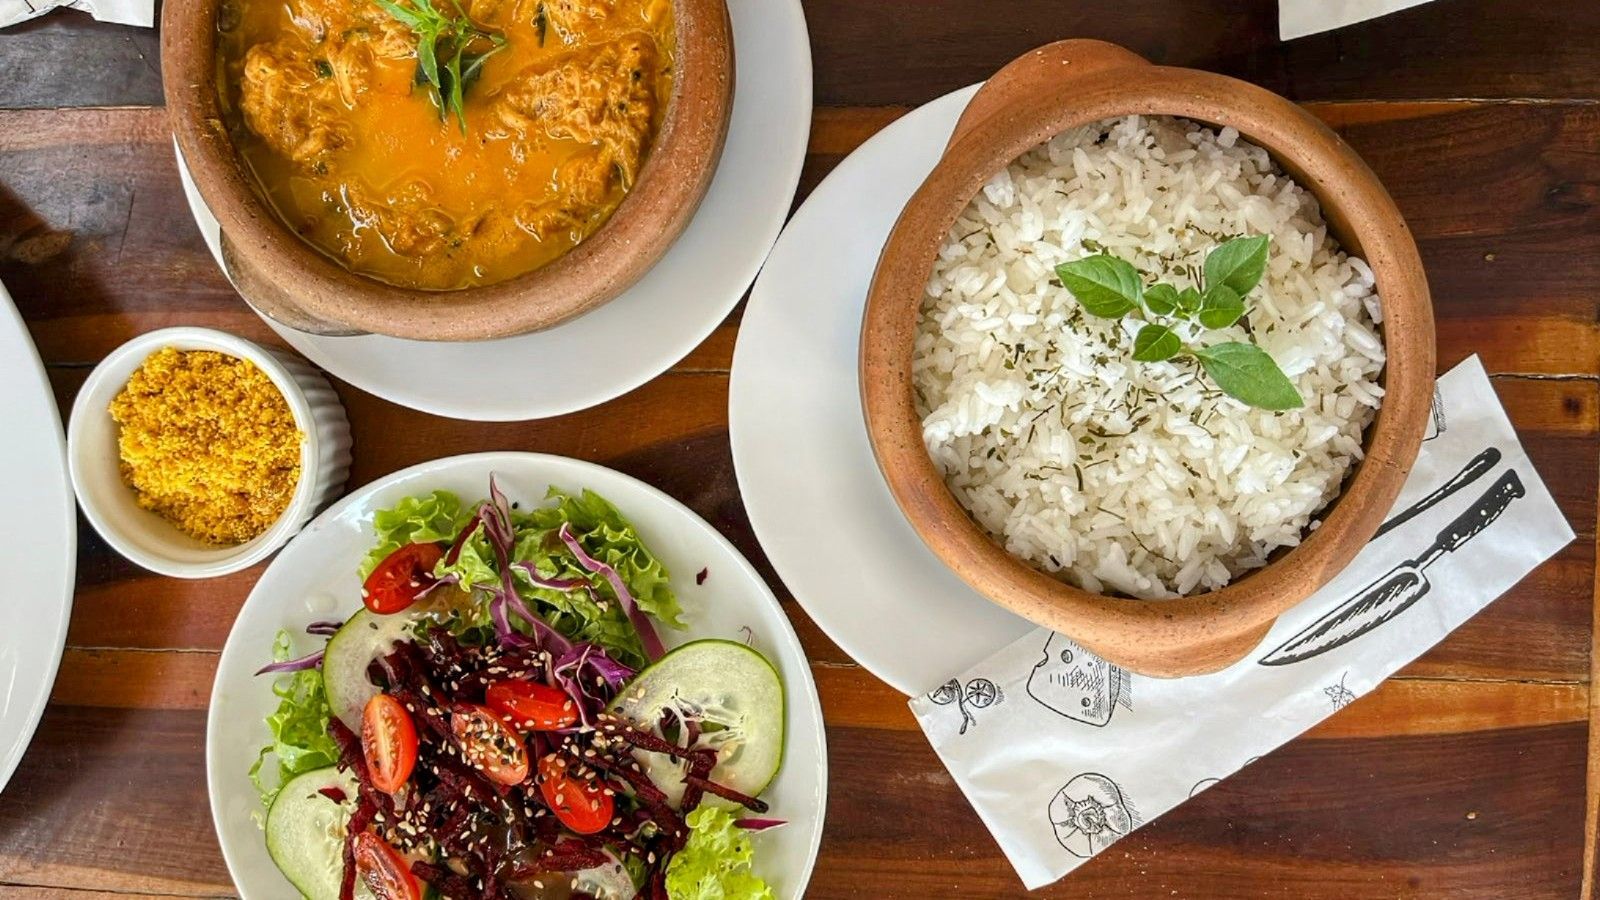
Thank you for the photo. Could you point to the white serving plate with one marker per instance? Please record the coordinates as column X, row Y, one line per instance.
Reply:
column 38, row 539
column 315, row 578
column 655, row 323
column 806, row 472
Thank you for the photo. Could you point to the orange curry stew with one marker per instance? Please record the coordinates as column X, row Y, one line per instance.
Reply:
column 327, row 104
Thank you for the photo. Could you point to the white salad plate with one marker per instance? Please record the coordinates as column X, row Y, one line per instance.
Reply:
column 38, row 539
column 315, row 578
column 679, row 302
column 805, row 469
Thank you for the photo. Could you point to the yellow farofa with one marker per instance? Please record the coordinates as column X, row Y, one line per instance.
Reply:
column 208, row 442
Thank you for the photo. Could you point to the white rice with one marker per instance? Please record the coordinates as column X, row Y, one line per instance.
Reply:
column 1126, row 477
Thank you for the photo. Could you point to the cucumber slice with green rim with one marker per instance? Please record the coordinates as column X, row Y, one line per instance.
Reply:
column 367, row 636
column 306, row 830
column 735, row 691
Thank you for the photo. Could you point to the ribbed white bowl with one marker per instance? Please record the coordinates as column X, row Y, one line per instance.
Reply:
column 151, row 541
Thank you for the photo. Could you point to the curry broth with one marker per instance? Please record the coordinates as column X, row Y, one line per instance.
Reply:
column 322, row 102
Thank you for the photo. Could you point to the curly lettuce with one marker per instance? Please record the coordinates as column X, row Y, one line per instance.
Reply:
column 431, row 518
column 300, row 739
column 594, row 615
column 715, row 863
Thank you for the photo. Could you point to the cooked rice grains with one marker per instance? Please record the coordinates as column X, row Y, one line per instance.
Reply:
column 209, row 443
column 1132, row 478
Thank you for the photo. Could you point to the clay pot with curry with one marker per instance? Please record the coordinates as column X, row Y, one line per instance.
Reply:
column 446, row 169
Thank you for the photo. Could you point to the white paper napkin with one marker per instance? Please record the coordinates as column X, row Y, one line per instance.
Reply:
column 1062, row 753
column 121, row 12
column 1298, row 18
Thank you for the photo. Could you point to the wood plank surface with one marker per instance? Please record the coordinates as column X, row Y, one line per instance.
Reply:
column 1462, row 777
column 906, row 52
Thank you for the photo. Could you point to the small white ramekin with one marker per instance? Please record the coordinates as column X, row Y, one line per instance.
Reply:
column 151, row 541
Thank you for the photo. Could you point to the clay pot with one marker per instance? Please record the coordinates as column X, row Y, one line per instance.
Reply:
column 290, row 281
column 1038, row 96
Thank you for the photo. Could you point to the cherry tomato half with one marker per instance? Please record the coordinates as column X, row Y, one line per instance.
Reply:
column 581, row 804
column 488, row 743
column 383, row 870
column 531, row 706
column 389, row 741
column 403, row 574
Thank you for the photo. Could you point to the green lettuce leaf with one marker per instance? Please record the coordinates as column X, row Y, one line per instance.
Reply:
column 610, row 538
column 432, row 517
column 599, row 526
column 300, row 740
column 474, row 566
column 715, row 863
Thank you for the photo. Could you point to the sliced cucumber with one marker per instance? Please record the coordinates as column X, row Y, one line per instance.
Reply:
column 366, row 637
column 306, row 831
column 730, row 687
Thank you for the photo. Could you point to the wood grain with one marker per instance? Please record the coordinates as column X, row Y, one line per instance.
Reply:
column 910, row 51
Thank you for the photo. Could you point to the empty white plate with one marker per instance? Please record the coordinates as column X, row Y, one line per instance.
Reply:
column 38, row 539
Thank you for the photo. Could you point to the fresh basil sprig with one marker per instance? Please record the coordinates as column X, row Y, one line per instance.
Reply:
column 1110, row 288
column 451, row 51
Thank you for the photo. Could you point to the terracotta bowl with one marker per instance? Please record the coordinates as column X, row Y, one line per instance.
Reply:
column 295, row 284
column 1044, row 93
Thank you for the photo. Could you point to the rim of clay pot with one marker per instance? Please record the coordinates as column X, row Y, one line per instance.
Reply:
column 296, row 284
column 1041, row 95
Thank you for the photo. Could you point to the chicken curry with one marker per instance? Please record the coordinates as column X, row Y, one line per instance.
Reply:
column 442, row 144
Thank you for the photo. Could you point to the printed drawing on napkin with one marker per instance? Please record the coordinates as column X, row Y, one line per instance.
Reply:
column 1062, row 753
column 122, row 12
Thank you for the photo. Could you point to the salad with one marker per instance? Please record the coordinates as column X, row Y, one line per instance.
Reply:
column 502, row 719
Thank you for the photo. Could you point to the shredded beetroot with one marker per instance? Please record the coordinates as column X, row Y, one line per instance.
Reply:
column 701, row 762
column 335, row 794
column 488, row 836
column 566, row 856
column 644, row 740
column 350, row 755
column 359, row 820
column 444, row 881
column 726, row 793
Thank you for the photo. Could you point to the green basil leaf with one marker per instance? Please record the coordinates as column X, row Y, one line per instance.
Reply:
column 1155, row 343
column 1246, row 373
column 1238, row 263
column 1221, row 307
column 1188, row 301
column 405, row 16
column 429, row 63
column 457, row 101
column 1106, row 286
column 1161, row 299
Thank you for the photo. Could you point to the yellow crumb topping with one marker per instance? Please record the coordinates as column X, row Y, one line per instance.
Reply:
column 208, row 442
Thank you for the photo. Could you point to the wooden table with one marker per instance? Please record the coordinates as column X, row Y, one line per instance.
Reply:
column 1463, row 776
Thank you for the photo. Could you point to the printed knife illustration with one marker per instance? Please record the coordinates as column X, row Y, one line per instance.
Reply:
column 1476, row 468
column 1394, row 593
